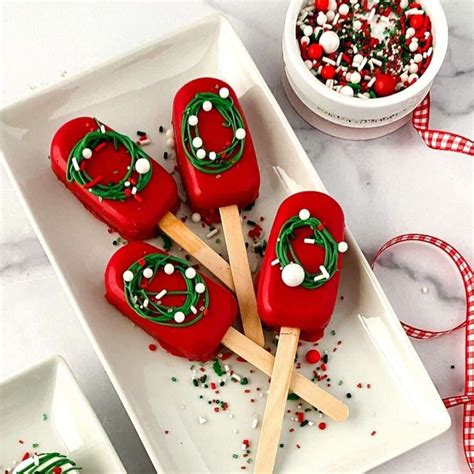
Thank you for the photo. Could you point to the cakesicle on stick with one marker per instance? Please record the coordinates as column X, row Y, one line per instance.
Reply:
column 121, row 185
column 217, row 161
column 189, row 314
column 297, row 291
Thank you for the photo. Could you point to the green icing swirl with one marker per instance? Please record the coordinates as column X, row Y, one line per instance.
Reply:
column 225, row 158
column 159, row 313
column 113, row 191
column 284, row 249
column 46, row 463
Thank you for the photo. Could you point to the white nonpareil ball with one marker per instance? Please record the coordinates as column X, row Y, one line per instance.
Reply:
column 207, row 106
column 170, row 142
column 240, row 134
column 200, row 288
column 190, row 273
column 355, row 78
column 169, row 269
column 87, row 153
column 224, row 92
column 342, row 247
column 201, row 153
column 127, row 276
column 332, row 6
column 304, row 214
column 344, row 9
column 197, row 142
column 142, row 166
column 329, row 41
column 179, row 316
column 308, row 30
column 292, row 275
column 169, row 133
column 193, row 120
column 212, row 155
column 148, row 273
column 196, row 217
column 347, row 91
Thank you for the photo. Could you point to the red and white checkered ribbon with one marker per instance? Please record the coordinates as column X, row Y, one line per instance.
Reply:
column 467, row 399
column 438, row 139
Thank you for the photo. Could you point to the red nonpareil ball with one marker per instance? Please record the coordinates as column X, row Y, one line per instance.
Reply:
column 328, row 72
column 385, row 85
column 313, row 356
column 321, row 4
column 417, row 21
column 315, row 51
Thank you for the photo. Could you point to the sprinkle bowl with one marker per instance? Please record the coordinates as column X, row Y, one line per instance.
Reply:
column 350, row 117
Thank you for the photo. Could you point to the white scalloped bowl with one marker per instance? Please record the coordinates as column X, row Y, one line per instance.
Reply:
column 353, row 112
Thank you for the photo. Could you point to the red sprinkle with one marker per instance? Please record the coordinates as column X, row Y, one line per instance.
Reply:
column 26, row 455
column 152, row 347
column 57, row 470
column 373, row 433
column 322, row 425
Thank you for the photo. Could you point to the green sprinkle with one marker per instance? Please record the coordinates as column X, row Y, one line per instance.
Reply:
column 45, row 416
column 174, row 379
column 35, row 445
column 218, row 368
column 167, row 242
column 249, row 461
column 292, row 396
column 160, row 129
column 282, row 445
column 244, row 381
column 340, row 382
column 195, row 383
column 218, row 241
column 304, row 423
column 333, row 333
column 203, row 378
column 235, row 456
column 349, row 395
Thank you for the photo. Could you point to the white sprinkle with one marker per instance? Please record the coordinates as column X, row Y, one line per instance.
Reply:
column 329, row 61
column 310, row 423
column 212, row 155
column 190, row 273
column 414, row 11
column 429, row 52
column 304, row 214
column 371, row 83
column 236, row 431
column 236, row 377
column 169, row 269
column 240, row 134
column 102, row 129
column 212, row 233
column 339, row 59
column 201, row 153
column 336, row 19
column 197, row 142
column 144, row 141
column 75, row 164
column 424, row 290
column 127, row 276
column 376, row 62
column 226, row 368
column 275, row 262
column 193, row 120
column 324, row 271
column 196, row 217
column 148, row 273
column 193, row 310
column 362, row 64
column 231, row 416
column 200, row 288
column 307, row 30
column 224, row 92
column 254, row 422
column 207, row 105
column 179, row 316
column 87, row 153
column 371, row 15
column 160, row 295
column 309, row 241
column 202, row 420
column 134, row 190
column 145, row 303
column 342, row 247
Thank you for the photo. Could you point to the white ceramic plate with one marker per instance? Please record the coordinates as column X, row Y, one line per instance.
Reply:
column 135, row 92
column 45, row 405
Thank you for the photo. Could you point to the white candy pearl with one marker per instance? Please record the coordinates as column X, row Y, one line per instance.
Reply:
column 410, row 32
column 292, row 275
column 207, row 105
column 169, row 269
column 344, row 9
column 413, row 46
column 413, row 68
column 193, row 120
column 169, row 133
column 404, row 3
column 329, row 41
column 347, row 91
column 170, row 143
column 196, row 217
column 304, row 214
column 304, row 40
column 197, row 142
column 212, row 155
column 201, row 153
column 332, row 5
column 240, row 134
column 357, row 59
column 418, row 58
column 308, row 63
column 357, row 25
column 179, row 316
column 142, row 166
column 322, row 19
column 87, row 153
column 308, row 30
column 342, row 247
column 412, row 78
column 330, row 15
column 355, row 78
column 190, row 273
column 148, row 273
column 127, row 276
column 224, row 92
column 200, row 288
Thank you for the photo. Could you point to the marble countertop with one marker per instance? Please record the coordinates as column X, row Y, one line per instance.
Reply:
column 387, row 187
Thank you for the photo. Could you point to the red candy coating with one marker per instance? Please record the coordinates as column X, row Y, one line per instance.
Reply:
column 417, row 21
column 207, row 192
column 307, row 309
column 132, row 219
column 321, row 5
column 199, row 341
column 315, row 51
column 328, row 72
column 385, row 85
column 313, row 356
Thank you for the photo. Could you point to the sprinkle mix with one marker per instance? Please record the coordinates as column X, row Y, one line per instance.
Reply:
column 365, row 48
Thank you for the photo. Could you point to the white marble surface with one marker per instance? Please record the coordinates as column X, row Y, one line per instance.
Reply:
column 387, row 187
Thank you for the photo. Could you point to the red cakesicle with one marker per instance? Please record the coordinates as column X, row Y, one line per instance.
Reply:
column 198, row 341
column 217, row 161
column 238, row 185
column 297, row 291
column 282, row 305
column 133, row 218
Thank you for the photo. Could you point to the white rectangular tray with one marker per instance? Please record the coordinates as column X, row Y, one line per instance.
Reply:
column 44, row 405
column 401, row 410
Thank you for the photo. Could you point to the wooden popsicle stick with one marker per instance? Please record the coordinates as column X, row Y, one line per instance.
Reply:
column 276, row 401
column 303, row 387
column 196, row 247
column 242, row 277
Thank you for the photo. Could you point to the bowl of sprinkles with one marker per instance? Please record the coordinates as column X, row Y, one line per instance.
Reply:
column 362, row 64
